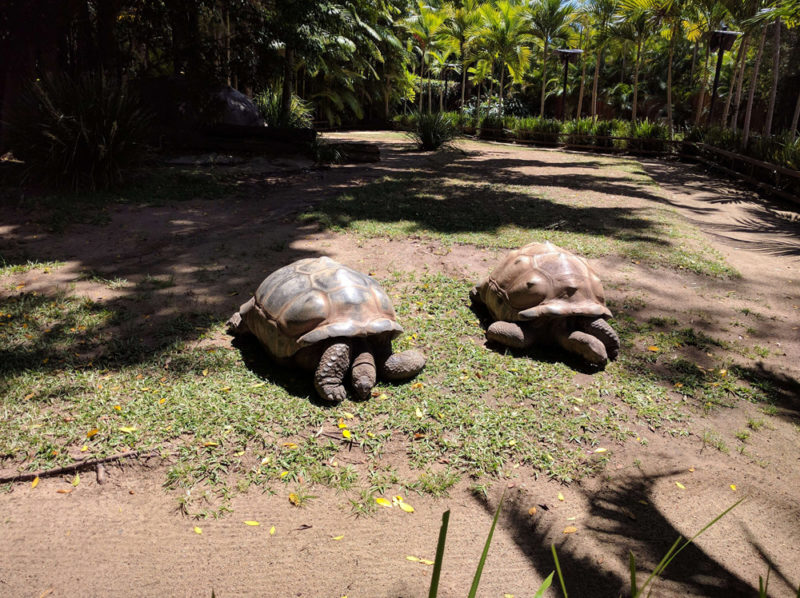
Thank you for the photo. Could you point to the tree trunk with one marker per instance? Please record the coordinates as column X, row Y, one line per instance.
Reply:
column 442, row 89
column 694, row 60
column 594, row 85
column 740, row 85
column 421, row 79
column 636, row 80
column 430, row 94
column 702, row 97
column 288, row 89
column 463, row 76
column 583, row 81
column 753, row 83
column 544, row 78
column 795, row 118
column 776, row 67
column 732, row 87
column 502, row 84
column 669, row 78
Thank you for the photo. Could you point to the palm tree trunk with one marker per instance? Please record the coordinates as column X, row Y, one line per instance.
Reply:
column 421, row 78
column 776, row 66
column 502, row 84
column 544, row 78
column 442, row 89
column 430, row 94
column 463, row 83
column 734, row 76
column 740, row 85
column 694, row 60
column 636, row 81
column 795, row 118
column 753, row 82
column 594, row 84
column 669, row 77
column 702, row 97
column 583, row 81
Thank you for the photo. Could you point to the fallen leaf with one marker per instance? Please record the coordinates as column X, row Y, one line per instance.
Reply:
column 406, row 507
column 571, row 529
column 92, row 432
column 118, row 407
column 162, row 401
column 35, row 482
column 417, row 385
column 127, row 429
column 383, row 502
column 681, row 486
column 691, row 469
column 337, row 537
column 294, row 499
column 76, row 480
column 272, row 531
column 252, row 523
column 414, row 559
column 653, row 348
column 348, row 415
column 600, row 450
column 84, row 448
column 284, row 473
column 197, row 530
column 418, row 413
column 426, row 562
column 30, row 395
column 64, row 490
column 560, row 496
column 532, row 511
column 346, row 433
column 205, row 372
column 207, row 444
column 733, row 487
column 723, row 373
column 341, row 424
column 290, row 445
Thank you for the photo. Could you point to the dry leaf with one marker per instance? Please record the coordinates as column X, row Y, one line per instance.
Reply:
column 417, row 385
column 532, row 511
column 197, row 530
column 127, row 429
column 413, row 559
column 272, row 531
column 84, row 448
column 294, row 499
column 570, row 529
column 162, row 401
column 92, row 432
column 733, row 487
column 337, row 537
column 560, row 496
column 681, row 486
column 600, row 450
column 418, row 412
column 76, row 480
column 64, row 490
column 30, row 395
column 653, row 348
column 341, row 424
column 383, row 502
column 348, row 415
column 35, row 482
column 691, row 469
column 252, row 523
column 284, row 473
column 406, row 507
column 290, row 445
column 346, row 433
column 205, row 372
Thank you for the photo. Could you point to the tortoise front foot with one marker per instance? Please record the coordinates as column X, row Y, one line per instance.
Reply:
column 586, row 345
column 510, row 334
column 330, row 373
column 402, row 366
column 236, row 324
column 363, row 374
column 602, row 330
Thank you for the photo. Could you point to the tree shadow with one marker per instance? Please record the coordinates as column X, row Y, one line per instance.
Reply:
column 619, row 523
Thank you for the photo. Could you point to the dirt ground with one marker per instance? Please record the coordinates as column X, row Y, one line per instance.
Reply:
column 125, row 538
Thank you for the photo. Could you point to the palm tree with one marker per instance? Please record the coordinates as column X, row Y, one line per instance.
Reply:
column 602, row 13
column 424, row 27
column 504, row 36
column 634, row 27
column 459, row 30
column 549, row 21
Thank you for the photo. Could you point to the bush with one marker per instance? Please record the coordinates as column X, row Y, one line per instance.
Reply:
column 647, row 136
column 608, row 128
column 78, row 133
column 542, row 130
column 579, row 132
column 431, row 131
column 269, row 106
column 492, row 127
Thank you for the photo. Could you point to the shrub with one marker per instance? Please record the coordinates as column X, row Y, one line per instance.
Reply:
column 542, row 130
column 491, row 127
column 269, row 106
column 647, row 136
column 607, row 128
column 78, row 133
column 579, row 132
column 431, row 131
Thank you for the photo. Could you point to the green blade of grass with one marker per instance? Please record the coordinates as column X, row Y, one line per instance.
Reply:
column 545, row 586
column 476, row 580
column 558, row 570
column 437, row 565
column 632, row 564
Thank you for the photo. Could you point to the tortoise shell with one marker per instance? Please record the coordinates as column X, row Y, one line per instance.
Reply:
column 316, row 299
column 541, row 280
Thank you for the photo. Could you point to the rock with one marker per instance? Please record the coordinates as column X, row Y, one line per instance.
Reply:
column 235, row 108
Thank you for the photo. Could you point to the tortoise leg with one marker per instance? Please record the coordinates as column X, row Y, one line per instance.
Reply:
column 586, row 345
column 511, row 334
column 330, row 373
column 402, row 366
column 237, row 324
column 363, row 372
column 602, row 330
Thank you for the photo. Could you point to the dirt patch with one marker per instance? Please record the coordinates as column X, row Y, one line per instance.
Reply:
column 125, row 537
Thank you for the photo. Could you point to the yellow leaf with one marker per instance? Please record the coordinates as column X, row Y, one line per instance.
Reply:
column 417, row 385
column 84, row 448
column 205, row 373
column 571, row 529
column 162, row 401
column 560, row 496
column 337, row 537
column 127, row 429
column 691, row 469
column 35, row 482
column 239, row 454
column 413, row 559
column 348, row 415
column 681, row 486
column 30, row 395
column 600, row 450
column 679, row 385
column 197, row 530
column 92, row 432
column 532, row 511
column 382, row 397
column 733, row 487
column 294, row 499
column 64, row 490
column 653, row 348
column 342, row 424
column 76, row 480
column 383, row 502
column 272, row 531
column 251, row 523
column 290, row 445
column 207, row 444
column 723, row 373
column 346, row 433
column 118, row 407
column 418, row 413
column 284, row 474
column 406, row 507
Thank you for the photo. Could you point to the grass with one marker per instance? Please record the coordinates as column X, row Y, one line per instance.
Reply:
column 22, row 266
column 453, row 211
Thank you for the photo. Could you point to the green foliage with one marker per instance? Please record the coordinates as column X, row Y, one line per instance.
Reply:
column 78, row 133
column 648, row 136
column 492, row 127
column 269, row 106
column 543, row 130
column 432, row 131
column 579, row 132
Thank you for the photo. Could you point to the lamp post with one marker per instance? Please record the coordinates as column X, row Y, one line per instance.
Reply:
column 721, row 41
column 567, row 56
